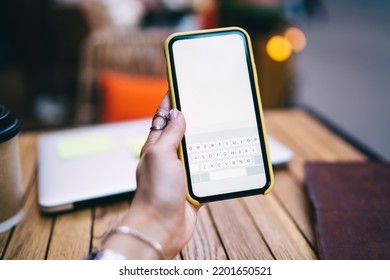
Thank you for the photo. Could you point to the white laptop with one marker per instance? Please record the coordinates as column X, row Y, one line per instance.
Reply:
column 91, row 165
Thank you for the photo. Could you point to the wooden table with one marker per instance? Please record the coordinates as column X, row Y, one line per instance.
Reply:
column 276, row 226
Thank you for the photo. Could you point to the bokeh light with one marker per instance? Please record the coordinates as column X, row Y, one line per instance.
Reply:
column 278, row 48
column 296, row 38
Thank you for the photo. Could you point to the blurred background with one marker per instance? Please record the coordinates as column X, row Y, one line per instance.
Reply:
column 66, row 63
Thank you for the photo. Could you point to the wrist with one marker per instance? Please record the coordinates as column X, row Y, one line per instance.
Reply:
column 130, row 247
column 150, row 222
column 141, row 236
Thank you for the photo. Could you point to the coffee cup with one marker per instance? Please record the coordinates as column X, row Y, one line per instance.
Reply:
column 11, row 191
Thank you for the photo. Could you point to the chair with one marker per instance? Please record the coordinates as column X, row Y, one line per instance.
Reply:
column 136, row 52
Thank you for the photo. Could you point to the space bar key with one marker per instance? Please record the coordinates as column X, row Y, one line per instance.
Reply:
column 226, row 174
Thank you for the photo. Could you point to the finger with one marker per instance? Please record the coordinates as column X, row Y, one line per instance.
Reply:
column 174, row 131
column 164, row 108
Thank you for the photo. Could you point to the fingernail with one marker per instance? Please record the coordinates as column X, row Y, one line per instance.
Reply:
column 173, row 114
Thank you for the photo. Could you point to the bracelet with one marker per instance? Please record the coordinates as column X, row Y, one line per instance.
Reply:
column 140, row 236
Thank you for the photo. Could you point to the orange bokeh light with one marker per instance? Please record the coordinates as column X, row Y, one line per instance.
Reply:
column 296, row 38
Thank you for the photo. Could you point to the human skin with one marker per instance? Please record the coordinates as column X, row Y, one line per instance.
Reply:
column 159, row 208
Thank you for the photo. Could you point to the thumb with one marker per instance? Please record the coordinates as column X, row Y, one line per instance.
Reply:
column 174, row 131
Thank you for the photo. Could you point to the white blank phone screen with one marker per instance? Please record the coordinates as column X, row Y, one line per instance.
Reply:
column 216, row 98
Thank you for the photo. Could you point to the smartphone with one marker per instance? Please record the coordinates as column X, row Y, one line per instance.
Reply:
column 213, row 82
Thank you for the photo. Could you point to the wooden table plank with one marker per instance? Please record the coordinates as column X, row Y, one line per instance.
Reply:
column 309, row 138
column 281, row 135
column 344, row 150
column 31, row 236
column 310, row 141
column 239, row 235
column 105, row 218
column 280, row 232
column 295, row 200
column 275, row 226
column 205, row 244
column 3, row 242
column 71, row 236
column 284, row 130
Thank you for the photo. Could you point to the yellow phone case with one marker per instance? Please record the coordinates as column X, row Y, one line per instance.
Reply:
column 173, row 99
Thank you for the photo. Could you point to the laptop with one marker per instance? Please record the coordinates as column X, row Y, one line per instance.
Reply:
column 97, row 164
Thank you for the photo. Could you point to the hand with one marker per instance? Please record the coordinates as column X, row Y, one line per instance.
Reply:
column 160, row 209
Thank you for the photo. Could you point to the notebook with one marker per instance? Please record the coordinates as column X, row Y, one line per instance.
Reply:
column 91, row 165
column 352, row 209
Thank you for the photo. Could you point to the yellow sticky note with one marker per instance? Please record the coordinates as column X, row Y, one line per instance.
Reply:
column 135, row 146
column 82, row 146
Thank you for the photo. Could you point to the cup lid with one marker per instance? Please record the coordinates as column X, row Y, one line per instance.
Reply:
column 9, row 124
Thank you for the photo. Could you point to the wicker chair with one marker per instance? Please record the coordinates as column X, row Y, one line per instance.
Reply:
column 136, row 51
